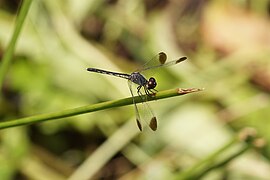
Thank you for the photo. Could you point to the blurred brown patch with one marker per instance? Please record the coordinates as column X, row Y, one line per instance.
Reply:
column 228, row 28
column 155, row 4
column 261, row 76
column 92, row 28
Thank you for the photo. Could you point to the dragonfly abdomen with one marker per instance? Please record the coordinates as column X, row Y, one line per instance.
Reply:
column 121, row 75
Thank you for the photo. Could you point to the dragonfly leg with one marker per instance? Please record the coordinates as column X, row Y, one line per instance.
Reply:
column 146, row 91
column 138, row 89
column 139, row 92
column 149, row 92
column 153, row 92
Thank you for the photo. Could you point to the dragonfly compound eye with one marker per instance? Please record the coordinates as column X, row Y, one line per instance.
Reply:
column 151, row 84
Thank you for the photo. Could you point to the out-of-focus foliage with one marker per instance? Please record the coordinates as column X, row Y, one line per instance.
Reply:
column 228, row 48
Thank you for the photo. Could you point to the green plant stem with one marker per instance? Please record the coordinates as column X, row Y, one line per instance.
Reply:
column 94, row 107
column 219, row 158
column 221, row 163
column 6, row 60
column 209, row 160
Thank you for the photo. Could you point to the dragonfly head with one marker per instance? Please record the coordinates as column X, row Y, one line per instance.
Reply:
column 151, row 84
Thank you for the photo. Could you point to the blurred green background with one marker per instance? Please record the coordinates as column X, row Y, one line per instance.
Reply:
column 228, row 48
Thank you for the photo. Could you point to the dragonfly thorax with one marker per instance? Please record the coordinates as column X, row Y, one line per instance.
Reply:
column 151, row 83
column 138, row 78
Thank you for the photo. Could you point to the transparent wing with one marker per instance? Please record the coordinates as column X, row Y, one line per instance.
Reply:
column 160, row 61
column 138, row 118
column 143, row 110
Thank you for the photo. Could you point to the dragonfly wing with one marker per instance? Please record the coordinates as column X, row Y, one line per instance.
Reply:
column 147, row 113
column 143, row 110
column 138, row 118
column 156, row 64
column 157, row 60
column 164, row 65
column 153, row 123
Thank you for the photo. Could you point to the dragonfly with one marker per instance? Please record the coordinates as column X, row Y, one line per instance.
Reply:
column 138, row 83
